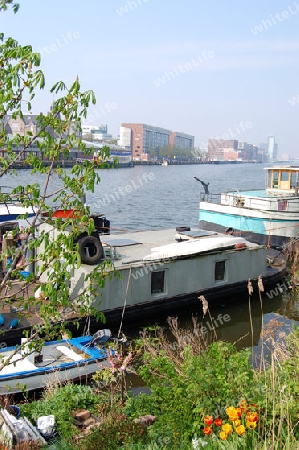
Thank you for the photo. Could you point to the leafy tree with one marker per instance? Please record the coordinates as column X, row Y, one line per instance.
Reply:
column 21, row 79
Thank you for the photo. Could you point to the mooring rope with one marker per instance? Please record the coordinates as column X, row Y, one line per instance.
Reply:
column 125, row 304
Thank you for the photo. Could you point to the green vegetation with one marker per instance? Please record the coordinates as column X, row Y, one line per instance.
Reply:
column 178, row 154
column 203, row 393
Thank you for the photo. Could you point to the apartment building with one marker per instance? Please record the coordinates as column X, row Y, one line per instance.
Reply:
column 142, row 138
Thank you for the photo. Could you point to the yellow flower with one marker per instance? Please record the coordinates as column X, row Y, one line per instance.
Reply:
column 237, row 422
column 251, row 425
column 233, row 417
column 230, row 411
column 223, row 435
column 240, row 430
column 227, row 428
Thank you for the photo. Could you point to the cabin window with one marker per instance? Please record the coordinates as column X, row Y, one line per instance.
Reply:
column 284, row 176
column 219, row 270
column 157, row 282
column 275, row 179
column 293, row 180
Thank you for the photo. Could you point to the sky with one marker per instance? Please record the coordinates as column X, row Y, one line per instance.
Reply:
column 207, row 68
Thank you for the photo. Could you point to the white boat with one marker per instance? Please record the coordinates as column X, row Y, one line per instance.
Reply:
column 10, row 210
column 159, row 270
column 57, row 362
column 163, row 269
column 164, row 162
column 269, row 216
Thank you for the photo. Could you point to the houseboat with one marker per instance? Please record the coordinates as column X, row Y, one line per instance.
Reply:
column 268, row 217
column 164, row 269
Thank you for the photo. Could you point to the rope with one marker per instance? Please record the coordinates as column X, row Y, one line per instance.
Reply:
column 269, row 236
column 125, row 304
column 86, row 330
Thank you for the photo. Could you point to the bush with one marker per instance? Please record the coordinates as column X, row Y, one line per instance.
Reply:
column 61, row 402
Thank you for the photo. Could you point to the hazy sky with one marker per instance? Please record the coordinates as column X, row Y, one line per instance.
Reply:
column 205, row 67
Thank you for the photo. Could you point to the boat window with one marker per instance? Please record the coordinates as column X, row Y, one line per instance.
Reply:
column 293, row 180
column 219, row 270
column 284, row 176
column 275, row 179
column 269, row 179
column 157, row 282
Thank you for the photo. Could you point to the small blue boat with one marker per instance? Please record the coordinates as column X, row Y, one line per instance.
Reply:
column 57, row 362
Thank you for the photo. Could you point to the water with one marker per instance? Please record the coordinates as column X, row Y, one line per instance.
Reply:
column 153, row 197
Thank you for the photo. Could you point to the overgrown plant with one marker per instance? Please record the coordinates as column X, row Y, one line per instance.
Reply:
column 62, row 402
column 291, row 253
column 192, row 382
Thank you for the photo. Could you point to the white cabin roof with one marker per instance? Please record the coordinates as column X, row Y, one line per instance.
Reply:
column 284, row 168
column 138, row 247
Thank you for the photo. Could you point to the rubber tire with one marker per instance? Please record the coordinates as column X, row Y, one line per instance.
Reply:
column 94, row 244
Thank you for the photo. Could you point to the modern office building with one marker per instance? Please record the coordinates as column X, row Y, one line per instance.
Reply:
column 248, row 152
column 181, row 140
column 270, row 149
column 142, row 139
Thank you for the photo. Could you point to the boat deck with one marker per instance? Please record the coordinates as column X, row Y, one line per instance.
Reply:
column 260, row 193
column 134, row 247
column 53, row 355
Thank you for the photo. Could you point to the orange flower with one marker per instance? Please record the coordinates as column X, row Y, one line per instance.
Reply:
column 218, row 422
column 227, row 428
column 239, row 411
column 207, row 430
column 251, row 425
column 240, row 430
column 208, row 420
column 223, row 435
column 252, row 417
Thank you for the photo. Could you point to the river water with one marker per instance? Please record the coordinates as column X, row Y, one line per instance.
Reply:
column 153, row 197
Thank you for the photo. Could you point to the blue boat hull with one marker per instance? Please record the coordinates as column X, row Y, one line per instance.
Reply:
column 251, row 228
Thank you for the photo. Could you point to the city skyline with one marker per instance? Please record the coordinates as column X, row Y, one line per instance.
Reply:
column 204, row 69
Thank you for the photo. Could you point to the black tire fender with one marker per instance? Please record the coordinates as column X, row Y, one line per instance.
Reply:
column 90, row 249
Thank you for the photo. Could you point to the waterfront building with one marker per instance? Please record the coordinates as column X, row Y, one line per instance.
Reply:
column 233, row 150
column 29, row 123
column 248, row 152
column 222, row 149
column 21, row 126
column 181, row 140
column 98, row 133
column 141, row 139
column 270, row 149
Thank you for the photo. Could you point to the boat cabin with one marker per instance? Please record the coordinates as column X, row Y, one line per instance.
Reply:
column 283, row 180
